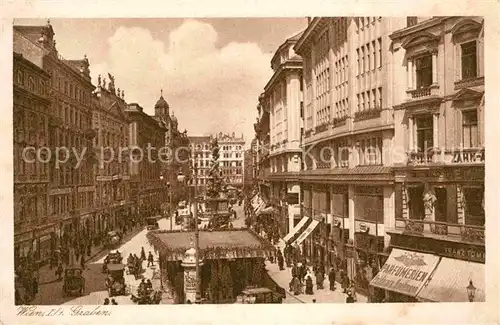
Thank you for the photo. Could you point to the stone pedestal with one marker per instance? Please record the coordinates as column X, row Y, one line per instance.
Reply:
column 189, row 265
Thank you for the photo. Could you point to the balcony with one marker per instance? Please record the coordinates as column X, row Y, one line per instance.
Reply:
column 423, row 92
column 421, row 157
column 367, row 114
column 467, row 233
column 308, row 133
column 322, row 127
column 470, row 82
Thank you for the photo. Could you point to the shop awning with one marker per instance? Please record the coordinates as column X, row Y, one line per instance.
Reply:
column 261, row 205
column 405, row 272
column 306, row 232
column 449, row 282
column 265, row 210
column 295, row 229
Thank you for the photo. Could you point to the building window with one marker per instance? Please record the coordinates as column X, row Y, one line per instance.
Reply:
column 374, row 65
column 469, row 60
column 379, row 43
column 424, row 71
column 380, row 98
column 469, row 129
column 416, row 202
column 474, row 211
column 362, row 59
column 424, row 132
column 410, row 21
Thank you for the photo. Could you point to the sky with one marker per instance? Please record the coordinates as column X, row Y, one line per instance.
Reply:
column 211, row 70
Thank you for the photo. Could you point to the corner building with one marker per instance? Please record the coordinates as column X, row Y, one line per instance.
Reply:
column 346, row 183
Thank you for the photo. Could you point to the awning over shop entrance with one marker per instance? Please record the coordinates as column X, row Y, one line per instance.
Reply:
column 405, row 272
column 306, row 232
column 449, row 282
column 266, row 210
column 261, row 205
column 295, row 229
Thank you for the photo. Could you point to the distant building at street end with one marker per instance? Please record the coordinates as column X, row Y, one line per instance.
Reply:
column 231, row 160
column 201, row 153
column 248, row 158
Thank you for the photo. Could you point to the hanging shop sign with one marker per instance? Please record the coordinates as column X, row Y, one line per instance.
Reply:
column 405, row 272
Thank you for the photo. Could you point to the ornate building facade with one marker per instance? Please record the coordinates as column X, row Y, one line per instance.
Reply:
column 33, row 231
column 147, row 190
column 283, row 95
column 231, row 158
column 71, row 179
column 439, row 178
column 201, row 152
column 111, row 124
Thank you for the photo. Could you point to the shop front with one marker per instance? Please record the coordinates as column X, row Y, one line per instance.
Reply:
column 368, row 236
column 339, row 235
column 23, row 246
column 46, row 244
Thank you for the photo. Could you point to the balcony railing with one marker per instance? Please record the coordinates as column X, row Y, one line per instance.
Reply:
column 322, row 127
column 467, row 233
column 339, row 121
column 423, row 92
column 421, row 157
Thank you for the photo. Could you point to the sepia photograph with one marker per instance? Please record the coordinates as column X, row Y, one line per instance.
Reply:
column 247, row 160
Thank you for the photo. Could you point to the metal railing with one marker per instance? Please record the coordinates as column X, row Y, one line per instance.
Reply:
column 467, row 233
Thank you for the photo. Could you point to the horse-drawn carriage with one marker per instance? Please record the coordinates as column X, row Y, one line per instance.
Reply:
column 73, row 282
column 147, row 297
column 115, row 283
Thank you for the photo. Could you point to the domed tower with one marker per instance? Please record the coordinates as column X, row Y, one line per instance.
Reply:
column 162, row 108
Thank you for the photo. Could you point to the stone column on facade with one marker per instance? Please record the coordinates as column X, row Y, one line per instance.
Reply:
column 460, row 205
column 389, row 213
column 409, row 74
column 434, row 68
column 350, row 209
column 435, row 134
column 414, row 76
column 410, row 134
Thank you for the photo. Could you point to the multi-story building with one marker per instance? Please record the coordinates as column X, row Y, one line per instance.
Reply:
column 110, row 121
column 201, row 153
column 34, row 231
column 248, row 157
column 147, row 190
column 263, row 146
column 347, row 183
column 439, row 134
column 283, row 96
column 231, row 158
column 255, row 168
column 71, row 195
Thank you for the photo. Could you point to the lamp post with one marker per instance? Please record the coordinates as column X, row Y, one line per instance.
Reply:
column 471, row 291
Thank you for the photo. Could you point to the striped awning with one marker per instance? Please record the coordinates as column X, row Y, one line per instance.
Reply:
column 295, row 229
column 307, row 232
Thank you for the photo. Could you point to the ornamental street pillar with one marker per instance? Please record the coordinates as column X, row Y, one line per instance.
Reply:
column 189, row 265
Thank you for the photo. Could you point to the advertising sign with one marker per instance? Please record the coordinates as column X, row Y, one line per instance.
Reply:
column 405, row 272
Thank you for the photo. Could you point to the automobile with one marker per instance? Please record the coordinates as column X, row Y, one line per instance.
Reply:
column 152, row 224
column 74, row 282
column 259, row 296
column 115, row 282
column 113, row 257
column 113, row 239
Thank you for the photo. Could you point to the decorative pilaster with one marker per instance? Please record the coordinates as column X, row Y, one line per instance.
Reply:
column 410, row 133
column 409, row 74
column 460, row 205
column 435, row 130
column 434, row 68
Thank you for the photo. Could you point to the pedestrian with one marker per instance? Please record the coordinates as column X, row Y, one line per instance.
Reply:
column 296, row 286
column 309, row 284
column 142, row 287
column 349, row 299
column 314, row 301
column 320, row 278
column 331, row 278
column 352, row 290
column 295, row 270
column 280, row 260
column 106, row 301
column 113, row 302
column 345, row 283
column 143, row 254
column 89, row 248
column 150, row 259
column 59, row 271
column 82, row 262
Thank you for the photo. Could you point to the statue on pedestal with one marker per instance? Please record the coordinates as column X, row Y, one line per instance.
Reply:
column 429, row 198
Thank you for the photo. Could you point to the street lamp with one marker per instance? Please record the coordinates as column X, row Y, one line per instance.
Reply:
column 471, row 291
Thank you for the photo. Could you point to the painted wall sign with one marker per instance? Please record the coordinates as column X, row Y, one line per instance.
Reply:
column 467, row 157
column 405, row 272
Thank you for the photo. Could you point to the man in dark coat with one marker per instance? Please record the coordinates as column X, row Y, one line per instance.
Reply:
column 309, row 285
column 280, row 260
column 319, row 280
column 143, row 254
column 150, row 259
column 331, row 278
column 295, row 271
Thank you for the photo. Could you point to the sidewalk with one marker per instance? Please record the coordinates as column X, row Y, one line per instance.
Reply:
column 283, row 278
column 47, row 275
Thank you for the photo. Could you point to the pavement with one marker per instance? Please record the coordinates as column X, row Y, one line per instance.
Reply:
column 283, row 278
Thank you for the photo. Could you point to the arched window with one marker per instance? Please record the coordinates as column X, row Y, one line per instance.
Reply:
column 31, row 84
